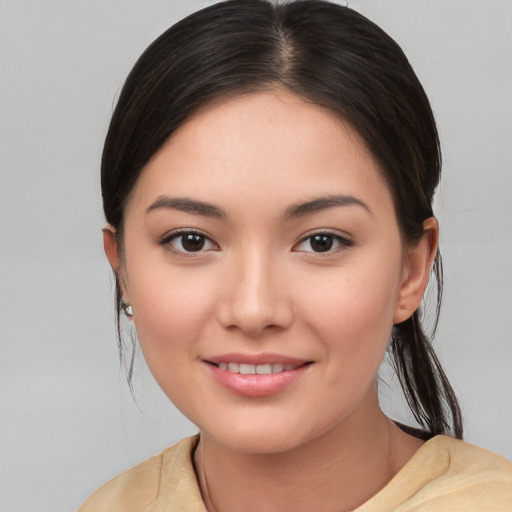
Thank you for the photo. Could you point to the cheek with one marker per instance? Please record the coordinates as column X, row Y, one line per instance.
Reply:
column 357, row 305
column 172, row 313
column 353, row 315
column 171, row 310
column 354, row 322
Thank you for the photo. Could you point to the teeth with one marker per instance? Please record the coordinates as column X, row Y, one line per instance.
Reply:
column 264, row 369
column 256, row 369
column 247, row 369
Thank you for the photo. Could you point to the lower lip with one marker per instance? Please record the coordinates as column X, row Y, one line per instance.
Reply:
column 256, row 385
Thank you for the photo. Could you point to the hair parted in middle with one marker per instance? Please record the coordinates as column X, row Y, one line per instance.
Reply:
column 329, row 55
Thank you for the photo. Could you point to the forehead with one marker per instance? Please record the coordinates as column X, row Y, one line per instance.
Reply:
column 273, row 144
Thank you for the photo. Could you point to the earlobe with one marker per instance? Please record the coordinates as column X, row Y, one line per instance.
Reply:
column 419, row 260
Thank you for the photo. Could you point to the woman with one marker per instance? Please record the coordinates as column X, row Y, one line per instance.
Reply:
column 267, row 181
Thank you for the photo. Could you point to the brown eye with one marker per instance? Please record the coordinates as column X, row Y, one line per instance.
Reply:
column 322, row 243
column 189, row 242
column 192, row 242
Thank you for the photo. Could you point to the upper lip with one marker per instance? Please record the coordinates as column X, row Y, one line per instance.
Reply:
column 256, row 359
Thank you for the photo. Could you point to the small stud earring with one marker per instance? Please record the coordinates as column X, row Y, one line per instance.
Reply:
column 128, row 310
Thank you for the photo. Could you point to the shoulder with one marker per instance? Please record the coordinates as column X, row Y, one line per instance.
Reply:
column 468, row 465
column 447, row 475
column 141, row 486
column 463, row 452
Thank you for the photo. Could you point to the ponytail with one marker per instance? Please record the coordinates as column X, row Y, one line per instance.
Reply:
column 427, row 390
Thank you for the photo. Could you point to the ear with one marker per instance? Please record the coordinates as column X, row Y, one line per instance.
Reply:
column 110, row 247
column 419, row 260
column 112, row 252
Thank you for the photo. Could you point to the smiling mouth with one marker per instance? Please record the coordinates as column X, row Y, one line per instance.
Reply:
column 257, row 369
column 256, row 376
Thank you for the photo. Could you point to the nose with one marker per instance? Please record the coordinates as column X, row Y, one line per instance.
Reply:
column 254, row 297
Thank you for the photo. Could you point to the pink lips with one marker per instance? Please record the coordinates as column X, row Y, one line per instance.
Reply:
column 256, row 385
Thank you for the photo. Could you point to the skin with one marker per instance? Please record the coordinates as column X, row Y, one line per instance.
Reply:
column 258, row 286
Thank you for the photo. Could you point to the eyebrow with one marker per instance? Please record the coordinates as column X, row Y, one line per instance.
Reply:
column 316, row 205
column 184, row 204
column 323, row 203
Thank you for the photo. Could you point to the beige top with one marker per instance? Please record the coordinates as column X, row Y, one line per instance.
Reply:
column 444, row 475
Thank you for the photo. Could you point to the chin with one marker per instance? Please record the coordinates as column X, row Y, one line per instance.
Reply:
column 258, row 443
column 261, row 437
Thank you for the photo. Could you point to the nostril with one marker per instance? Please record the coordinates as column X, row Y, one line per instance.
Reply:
column 253, row 300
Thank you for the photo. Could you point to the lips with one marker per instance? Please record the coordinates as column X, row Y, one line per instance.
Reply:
column 256, row 375
column 256, row 369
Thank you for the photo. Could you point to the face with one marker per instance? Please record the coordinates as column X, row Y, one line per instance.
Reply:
column 265, row 268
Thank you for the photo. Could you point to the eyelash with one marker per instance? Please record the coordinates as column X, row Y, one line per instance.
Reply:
column 343, row 242
column 167, row 240
column 176, row 235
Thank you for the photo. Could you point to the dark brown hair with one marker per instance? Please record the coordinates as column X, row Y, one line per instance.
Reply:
column 327, row 54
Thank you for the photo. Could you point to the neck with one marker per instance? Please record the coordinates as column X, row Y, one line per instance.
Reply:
column 335, row 472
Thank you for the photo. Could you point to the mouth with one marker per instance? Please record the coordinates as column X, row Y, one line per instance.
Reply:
column 256, row 376
column 256, row 369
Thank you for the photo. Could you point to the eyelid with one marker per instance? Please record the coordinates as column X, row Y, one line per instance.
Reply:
column 344, row 241
column 166, row 239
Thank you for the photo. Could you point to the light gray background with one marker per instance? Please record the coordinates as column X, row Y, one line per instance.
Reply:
column 67, row 421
